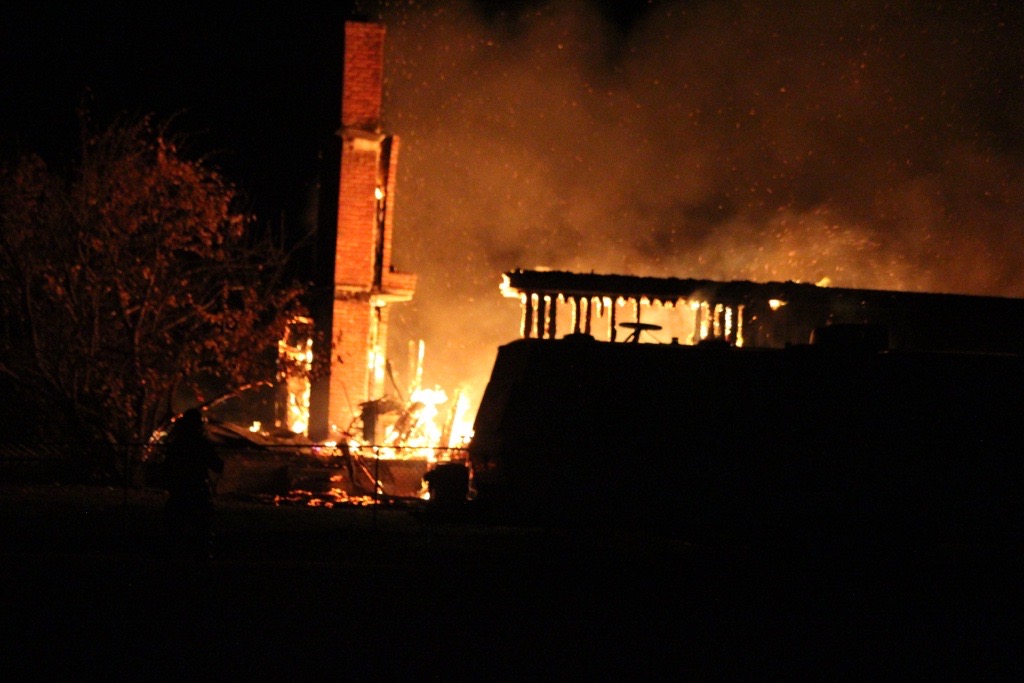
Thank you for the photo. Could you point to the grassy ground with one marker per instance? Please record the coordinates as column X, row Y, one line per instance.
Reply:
column 90, row 590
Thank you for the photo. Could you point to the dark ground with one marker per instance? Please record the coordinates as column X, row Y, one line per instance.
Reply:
column 90, row 591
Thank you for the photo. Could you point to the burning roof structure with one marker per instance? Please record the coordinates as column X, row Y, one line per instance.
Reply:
column 767, row 315
column 760, row 418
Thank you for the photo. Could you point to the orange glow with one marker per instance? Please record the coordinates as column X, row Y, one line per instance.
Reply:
column 295, row 360
column 739, row 325
column 462, row 423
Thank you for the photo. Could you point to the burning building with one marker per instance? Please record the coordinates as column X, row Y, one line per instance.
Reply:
column 773, row 383
column 772, row 405
column 352, row 414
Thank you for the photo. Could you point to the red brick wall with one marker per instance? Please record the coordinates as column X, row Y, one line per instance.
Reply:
column 349, row 374
column 364, row 76
column 353, row 260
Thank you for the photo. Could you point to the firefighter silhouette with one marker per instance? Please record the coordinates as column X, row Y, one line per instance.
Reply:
column 190, row 458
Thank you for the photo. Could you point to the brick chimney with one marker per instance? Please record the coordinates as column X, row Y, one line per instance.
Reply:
column 365, row 283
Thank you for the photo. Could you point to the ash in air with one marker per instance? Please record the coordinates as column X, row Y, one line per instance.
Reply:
column 865, row 144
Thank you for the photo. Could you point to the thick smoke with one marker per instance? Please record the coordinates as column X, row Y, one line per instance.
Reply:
column 869, row 144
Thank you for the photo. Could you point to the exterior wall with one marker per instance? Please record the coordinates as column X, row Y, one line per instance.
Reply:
column 354, row 254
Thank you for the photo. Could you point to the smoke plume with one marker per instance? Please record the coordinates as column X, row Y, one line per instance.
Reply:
column 866, row 144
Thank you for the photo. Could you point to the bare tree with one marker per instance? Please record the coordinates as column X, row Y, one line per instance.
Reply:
column 131, row 276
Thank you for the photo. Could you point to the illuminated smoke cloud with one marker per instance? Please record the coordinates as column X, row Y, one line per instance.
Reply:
column 875, row 144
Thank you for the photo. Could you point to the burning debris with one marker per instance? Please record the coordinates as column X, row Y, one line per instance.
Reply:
column 414, row 442
column 278, row 466
column 417, row 438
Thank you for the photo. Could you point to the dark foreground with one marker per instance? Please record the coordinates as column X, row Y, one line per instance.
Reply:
column 91, row 591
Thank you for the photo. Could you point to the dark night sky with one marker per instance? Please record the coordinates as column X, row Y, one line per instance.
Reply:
column 259, row 89
column 877, row 144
